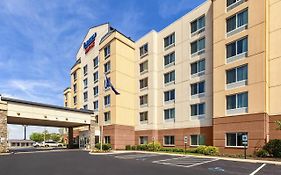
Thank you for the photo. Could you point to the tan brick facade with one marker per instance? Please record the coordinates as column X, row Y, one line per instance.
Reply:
column 3, row 128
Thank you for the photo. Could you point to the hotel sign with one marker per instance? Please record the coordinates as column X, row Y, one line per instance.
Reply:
column 90, row 43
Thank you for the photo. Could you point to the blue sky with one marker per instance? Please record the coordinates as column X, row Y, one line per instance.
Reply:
column 39, row 39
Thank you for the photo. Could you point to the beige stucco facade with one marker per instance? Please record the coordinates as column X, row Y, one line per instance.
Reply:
column 138, row 70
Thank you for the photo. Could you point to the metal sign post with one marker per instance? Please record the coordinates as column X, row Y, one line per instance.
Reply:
column 185, row 142
column 245, row 143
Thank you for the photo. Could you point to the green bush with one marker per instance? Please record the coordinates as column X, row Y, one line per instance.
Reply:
column 262, row 153
column 201, row 149
column 105, row 146
column 153, row 146
column 211, row 150
column 128, row 147
column 273, row 147
column 142, row 147
column 134, row 147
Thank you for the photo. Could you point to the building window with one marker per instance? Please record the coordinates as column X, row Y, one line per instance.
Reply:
column 237, row 101
column 144, row 67
column 198, row 24
column 85, row 70
column 169, row 59
column 96, row 77
column 197, row 67
column 96, row 62
column 169, row 140
column 237, row 74
column 107, row 67
column 197, row 88
column 144, row 50
column 85, row 81
column 75, row 100
column 85, row 96
column 235, row 139
column 107, row 117
column 143, row 100
column 232, row 2
column 96, row 105
column 85, row 107
column 96, row 90
column 197, row 109
column 107, row 139
column 74, row 75
column 106, row 51
column 238, row 20
column 196, row 140
column 144, row 117
column 169, row 114
column 143, row 140
column 198, row 46
column 169, row 40
column 75, row 88
column 143, row 83
column 107, row 100
column 169, row 95
column 169, row 77
column 237, row 47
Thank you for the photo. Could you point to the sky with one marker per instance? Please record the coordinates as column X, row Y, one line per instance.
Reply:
column 39, row 40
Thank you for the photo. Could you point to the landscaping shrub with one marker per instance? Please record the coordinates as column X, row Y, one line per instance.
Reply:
column 201, row 149
column 142, row 147
column 153, row 146
column 128, row 147
column 134, row 147
column 211, row 150
column 273, row 147
column 105, row 146
column 262, row 153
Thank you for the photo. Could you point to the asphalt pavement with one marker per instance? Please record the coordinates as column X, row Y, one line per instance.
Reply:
column 75, row 162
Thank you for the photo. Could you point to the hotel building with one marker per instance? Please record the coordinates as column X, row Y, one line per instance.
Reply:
column 212, row 76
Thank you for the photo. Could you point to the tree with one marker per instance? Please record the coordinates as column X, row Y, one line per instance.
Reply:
column 55, row 137
column 37, row 137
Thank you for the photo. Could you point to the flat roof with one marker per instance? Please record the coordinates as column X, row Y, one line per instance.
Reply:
column 7, row 99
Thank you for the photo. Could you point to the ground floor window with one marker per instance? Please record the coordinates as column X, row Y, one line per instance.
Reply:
column 107, row 139
column 169, row 140
column 196, row 140
column 143, row 140
column 235, row 139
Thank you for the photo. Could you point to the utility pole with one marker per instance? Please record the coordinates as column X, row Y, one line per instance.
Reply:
column 24, row 132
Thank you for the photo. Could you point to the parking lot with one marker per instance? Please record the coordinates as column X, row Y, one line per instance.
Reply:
column 72, row 162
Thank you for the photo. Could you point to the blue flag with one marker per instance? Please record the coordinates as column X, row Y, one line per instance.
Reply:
column 107, row 84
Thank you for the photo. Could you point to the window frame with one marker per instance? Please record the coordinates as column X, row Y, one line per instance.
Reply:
column 107, row 101
column 197, row 105
column 142, row 137
column 107, row 117
column 171, row 96
column 107, row 66
column 236, row 48
column 171, row 40
column 85, row 83
column 236, row 21
column 169, row 74
column 143, row 117
column 96, row 65
column 236, row 140
column 169, row 56
column 143, row 51
column 198, row 30
column 171, row 140
column 106, row 51
column 142, row 99
column 198, row 137
column 142, row 82
column 96, row 104
column 171, row 117
column 85, row 96
column 197, row 84
column 237, row 101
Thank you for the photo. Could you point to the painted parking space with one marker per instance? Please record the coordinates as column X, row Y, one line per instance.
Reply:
column 186, row 162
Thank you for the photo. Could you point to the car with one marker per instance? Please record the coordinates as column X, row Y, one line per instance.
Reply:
column 38, row 144
column 51, row 144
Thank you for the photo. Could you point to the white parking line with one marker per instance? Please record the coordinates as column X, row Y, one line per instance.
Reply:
column 186, row 162
column 258, row 169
